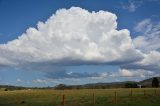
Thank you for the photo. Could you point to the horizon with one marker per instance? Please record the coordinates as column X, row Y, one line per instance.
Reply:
column 46, row 43
column 123, row 85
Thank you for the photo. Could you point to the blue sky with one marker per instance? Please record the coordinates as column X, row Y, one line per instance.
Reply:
column 140, row 17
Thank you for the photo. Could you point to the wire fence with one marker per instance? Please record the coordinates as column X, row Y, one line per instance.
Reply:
column 115, row 98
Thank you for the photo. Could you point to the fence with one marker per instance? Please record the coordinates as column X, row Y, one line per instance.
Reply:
column 115, row 97
column 82, row 97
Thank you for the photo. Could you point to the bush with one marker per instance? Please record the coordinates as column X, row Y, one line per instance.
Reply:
column 5, row 89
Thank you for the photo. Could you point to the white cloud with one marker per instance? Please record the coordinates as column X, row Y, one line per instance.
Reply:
column 131, row 5
column 135, row 73
column 150, row 62
column 126, row 73
column 45, row 81
column 150, row 35
column 152, row 58
column 72, row 36
column 144, row 26
column 148, row 43
column 19, row 80
column 40, row 81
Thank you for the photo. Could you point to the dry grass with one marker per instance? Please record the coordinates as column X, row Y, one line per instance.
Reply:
column 83, row 97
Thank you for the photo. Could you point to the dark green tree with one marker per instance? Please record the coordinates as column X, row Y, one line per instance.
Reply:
column 131, row 85
column 155, row 82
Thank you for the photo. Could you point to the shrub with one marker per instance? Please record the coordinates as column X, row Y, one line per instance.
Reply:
column 5, row 89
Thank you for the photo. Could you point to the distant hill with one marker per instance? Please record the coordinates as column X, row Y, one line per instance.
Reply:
column 95, row 85
column 109, row 85
column 147, row 82
column 9, row 87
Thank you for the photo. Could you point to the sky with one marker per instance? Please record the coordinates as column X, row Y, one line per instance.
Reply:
column 49, row 42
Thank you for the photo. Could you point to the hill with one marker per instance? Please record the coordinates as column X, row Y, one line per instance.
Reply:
column 125, row 84
column 147, row 82
column 100, row 85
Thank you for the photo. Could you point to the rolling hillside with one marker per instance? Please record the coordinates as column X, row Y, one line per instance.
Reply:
column 101, row 85
column 147, row 82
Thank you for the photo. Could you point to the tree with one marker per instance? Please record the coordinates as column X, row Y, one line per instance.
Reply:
column 131, row 85
column 155, row 82
column 61, row 87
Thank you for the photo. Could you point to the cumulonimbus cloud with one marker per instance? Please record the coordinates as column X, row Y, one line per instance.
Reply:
column 72, row 36
column 76, row 36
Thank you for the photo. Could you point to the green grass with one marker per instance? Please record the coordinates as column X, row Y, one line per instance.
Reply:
column 83, row 97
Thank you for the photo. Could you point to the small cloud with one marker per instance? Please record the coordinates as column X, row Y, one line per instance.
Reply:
column 126, row 73
column 40, row 81
column 131, row 5
column 135, row 73
column 144, row 26
column 19, row 80
column 45, row 81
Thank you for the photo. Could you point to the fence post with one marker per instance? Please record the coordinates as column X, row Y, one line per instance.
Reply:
column 63, row 97
column 115, row 97
column 131, row 93
column 93, row 99
column 144, row 92
column 155, row 92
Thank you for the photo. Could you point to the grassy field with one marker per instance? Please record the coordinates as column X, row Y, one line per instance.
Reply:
column 83, row 97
